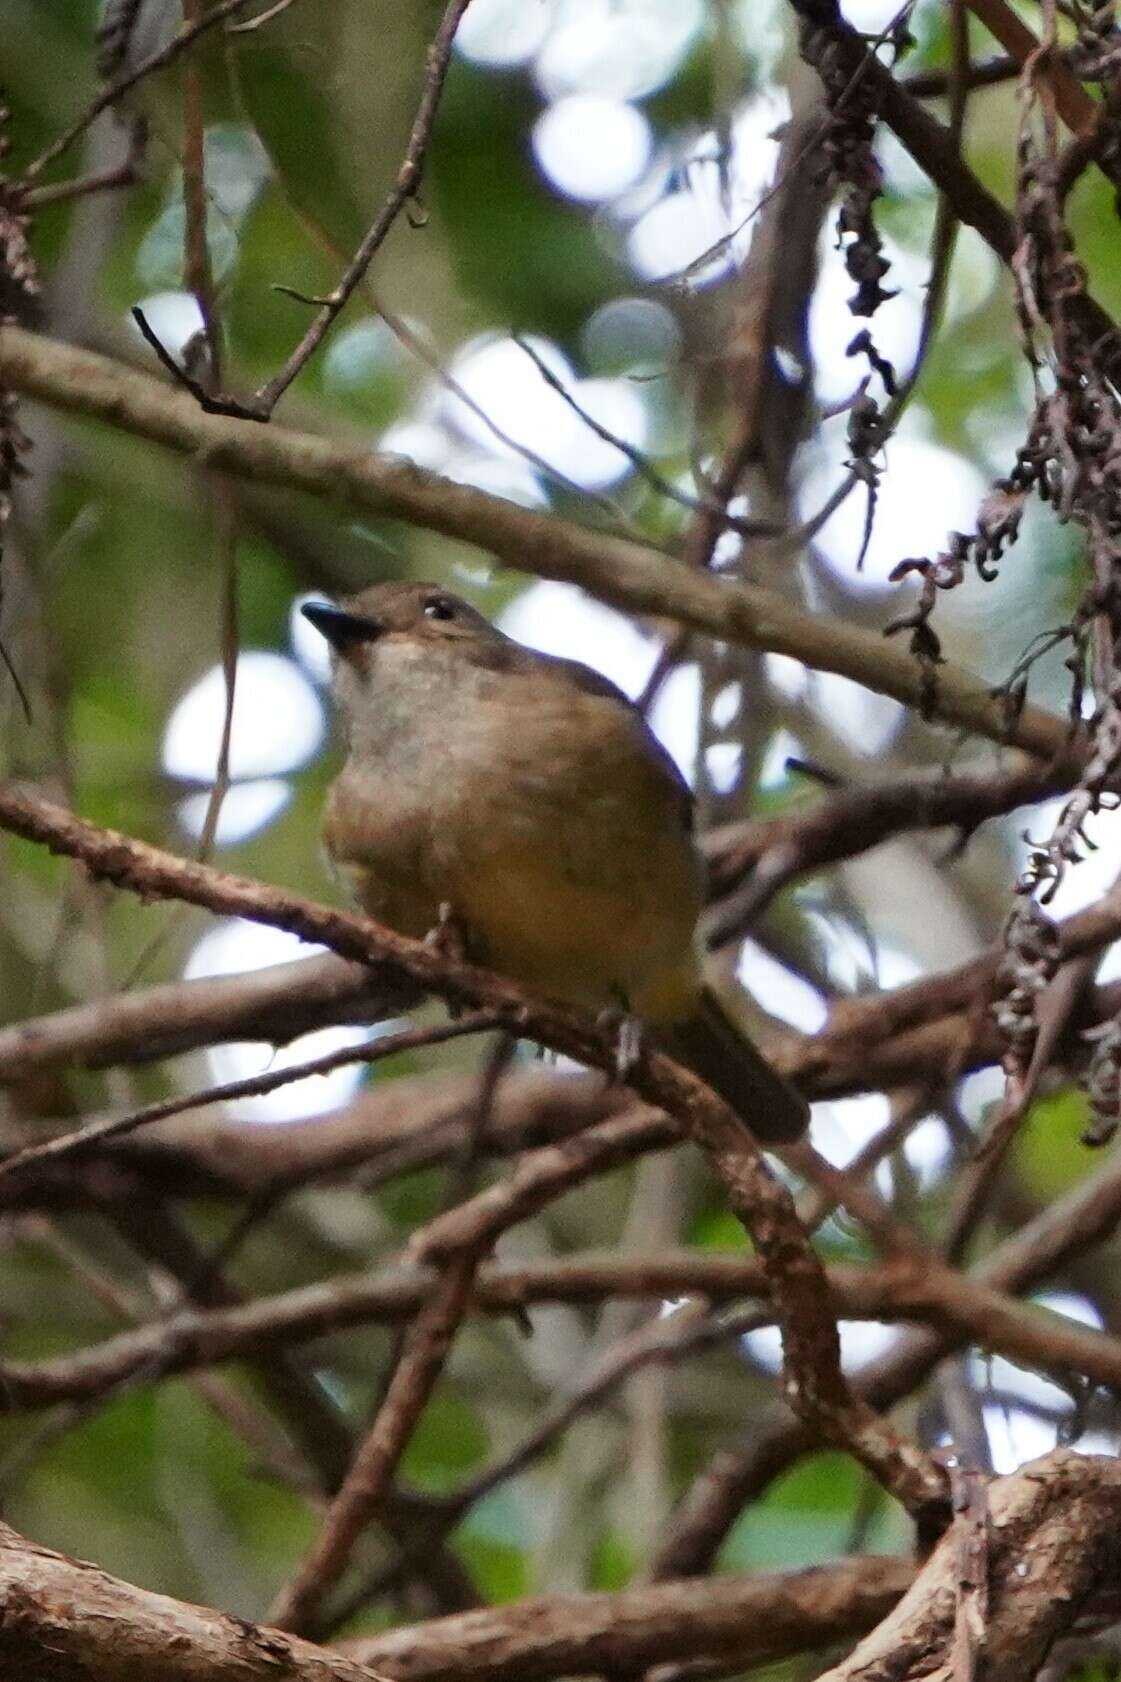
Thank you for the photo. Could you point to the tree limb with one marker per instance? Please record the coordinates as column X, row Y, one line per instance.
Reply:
column 1054, row 1537
column 814, row 1383
column 750, row 1621
column 64, row 1619
column 625, row 574
column 963, row 1309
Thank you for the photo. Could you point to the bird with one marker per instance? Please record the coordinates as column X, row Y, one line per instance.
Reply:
column 522, row 801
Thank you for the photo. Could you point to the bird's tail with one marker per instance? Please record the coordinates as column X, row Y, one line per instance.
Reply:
column 710, row 1044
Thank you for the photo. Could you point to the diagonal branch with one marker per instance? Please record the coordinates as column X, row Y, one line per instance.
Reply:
column 814, row 1383
column 1054, row 1539
column 369, row 1477
column 221, row 12
column 404, row 188
column 743, row 1622
column 627, row 575
column 66, row 1619
column 260, row 405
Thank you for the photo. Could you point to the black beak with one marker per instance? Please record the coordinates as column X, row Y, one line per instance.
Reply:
column 339, row 627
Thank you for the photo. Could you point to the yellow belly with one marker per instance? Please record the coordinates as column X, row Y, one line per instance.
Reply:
column 594, row 946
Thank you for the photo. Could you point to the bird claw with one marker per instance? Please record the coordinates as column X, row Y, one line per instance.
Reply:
column 627, row 1031
column 447, row 936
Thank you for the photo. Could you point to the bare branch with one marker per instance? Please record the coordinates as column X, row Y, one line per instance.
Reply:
column 274, row 1004
column 111, row 94
column 67, row 1619
column 754, row 861
column 404, row 188
column 742, row 1621
column 252, row 1086
column 1054, row 1539
column 368, row 1478
column 625, row 574
column 964, row 1310
column 393, row 1127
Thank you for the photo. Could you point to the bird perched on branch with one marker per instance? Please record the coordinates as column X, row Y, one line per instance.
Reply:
column 524, row 801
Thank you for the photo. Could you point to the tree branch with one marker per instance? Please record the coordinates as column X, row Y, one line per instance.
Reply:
column 755, row 860
column 965, row 1310
column 1053, row 1539
column 1065, row 1229
column 184, row 38
column 367, row 1483
column 391, row 1128
column 625, row 574
column 276, row 1004
column 745, row 1621
column 65, row 1619
column 814, row 1382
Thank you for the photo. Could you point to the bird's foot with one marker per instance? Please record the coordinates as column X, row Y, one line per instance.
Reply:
column 620, row 1021
column 448, row 938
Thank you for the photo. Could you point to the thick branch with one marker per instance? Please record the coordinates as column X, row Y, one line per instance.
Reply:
column 965, row 1310
column 64, row 1620
column 268, row 1004
column 1053, row 1539
column 751, row 1621
column 753, row 861
column 813, row 1380
column 629, row 576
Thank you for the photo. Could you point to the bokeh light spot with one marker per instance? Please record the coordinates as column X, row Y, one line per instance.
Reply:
column 278, row 721
column 591, row 148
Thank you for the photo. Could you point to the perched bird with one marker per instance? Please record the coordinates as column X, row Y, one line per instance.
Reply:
column 525, row 800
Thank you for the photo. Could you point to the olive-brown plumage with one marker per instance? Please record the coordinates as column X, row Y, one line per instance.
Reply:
column 527, row 797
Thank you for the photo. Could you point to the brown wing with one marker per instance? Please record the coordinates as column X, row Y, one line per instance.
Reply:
column 505, row 655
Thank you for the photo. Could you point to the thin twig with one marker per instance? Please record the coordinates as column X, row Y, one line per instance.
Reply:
column 935, row 84
column 110, row 95
column 226, row 534
column 253, row 1086
column 641, row 463
column 414, row 343
column 357, row 1504
column 404, row 188
column 125, row 174
column 197, row 276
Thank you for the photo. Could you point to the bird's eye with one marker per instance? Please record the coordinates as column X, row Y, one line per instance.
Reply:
column 439, row 607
